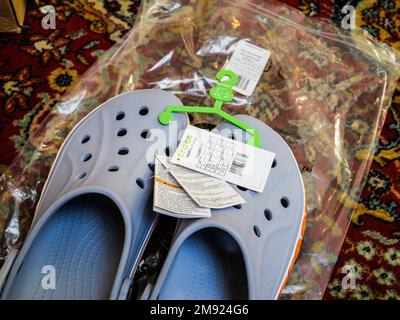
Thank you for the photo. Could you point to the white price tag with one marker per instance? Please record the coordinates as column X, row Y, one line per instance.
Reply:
column 248, row 62
column 224, row 158
column 171, row 199
column 206, row 191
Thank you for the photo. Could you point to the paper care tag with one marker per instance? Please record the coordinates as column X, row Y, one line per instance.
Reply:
column 224, row 158
column 171, row 199
column 248, row 62
column 205, row 190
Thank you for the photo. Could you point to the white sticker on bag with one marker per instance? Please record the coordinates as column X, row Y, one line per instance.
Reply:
column 224, row 158
column 248, row 62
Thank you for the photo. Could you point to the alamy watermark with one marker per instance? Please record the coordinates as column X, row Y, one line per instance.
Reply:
column 49, row 277
column 349, row 280
column 349, row 20
column 160, row 139
column 49, row 20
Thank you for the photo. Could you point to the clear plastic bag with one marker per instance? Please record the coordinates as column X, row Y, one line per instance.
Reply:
column 324, row 92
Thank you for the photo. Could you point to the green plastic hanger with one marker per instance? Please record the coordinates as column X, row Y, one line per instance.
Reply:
column 221, row 93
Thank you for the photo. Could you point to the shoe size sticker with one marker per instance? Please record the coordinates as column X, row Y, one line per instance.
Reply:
column 224, row 158
column 248, row 62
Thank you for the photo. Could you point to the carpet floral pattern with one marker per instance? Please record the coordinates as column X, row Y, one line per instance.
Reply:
column 39, row 65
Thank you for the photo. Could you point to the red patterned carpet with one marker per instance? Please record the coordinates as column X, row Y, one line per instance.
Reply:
column 38, row 65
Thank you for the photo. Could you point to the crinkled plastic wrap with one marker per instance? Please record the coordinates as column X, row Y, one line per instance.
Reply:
column 325, row 93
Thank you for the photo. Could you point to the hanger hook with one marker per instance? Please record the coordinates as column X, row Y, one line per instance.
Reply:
column 232, row 77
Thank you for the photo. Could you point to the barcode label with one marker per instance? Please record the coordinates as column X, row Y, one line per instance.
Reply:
column 243, row 83
column 223, row 158
column 248, row 62
column 239, row 163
